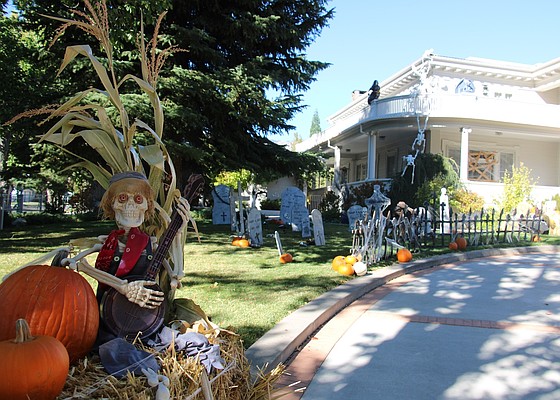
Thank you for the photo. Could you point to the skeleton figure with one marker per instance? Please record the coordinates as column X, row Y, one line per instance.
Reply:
column 127, row 251
column 410, row 159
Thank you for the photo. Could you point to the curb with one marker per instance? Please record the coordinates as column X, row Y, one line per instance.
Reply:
column 280, row 342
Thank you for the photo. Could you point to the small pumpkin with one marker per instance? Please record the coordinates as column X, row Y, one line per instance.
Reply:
column 286, row 258
column 404, row 255
column 360, row 268
column 32, row 368
column 346, row 269
column 243, row 243
column 56, row 302
column 453, row 246
column 235, row 241
column 350, row 259
column 461, row 243
column 337, row 262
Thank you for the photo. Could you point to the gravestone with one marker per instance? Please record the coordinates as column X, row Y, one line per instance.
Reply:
column 355, row 213
column 300, row 220
column 318, row 229
column 292, row 199
column 254, row 224
column 221, row 211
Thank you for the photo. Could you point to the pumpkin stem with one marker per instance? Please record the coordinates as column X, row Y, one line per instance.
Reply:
column 23, row 333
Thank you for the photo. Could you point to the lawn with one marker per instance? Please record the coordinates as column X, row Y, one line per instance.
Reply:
column 244, row 289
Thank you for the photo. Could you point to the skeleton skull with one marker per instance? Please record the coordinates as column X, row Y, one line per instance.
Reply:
column 129, row 209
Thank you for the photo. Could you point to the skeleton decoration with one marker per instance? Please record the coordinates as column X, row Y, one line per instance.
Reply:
column 129, row 200
column 367, row 235
column 419, row 105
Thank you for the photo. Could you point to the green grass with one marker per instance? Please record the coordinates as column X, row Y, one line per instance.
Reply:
column 245, row 290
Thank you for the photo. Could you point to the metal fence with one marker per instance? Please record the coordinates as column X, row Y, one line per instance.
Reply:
column 379, row 237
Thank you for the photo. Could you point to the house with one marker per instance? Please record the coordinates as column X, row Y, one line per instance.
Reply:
column 487, row 115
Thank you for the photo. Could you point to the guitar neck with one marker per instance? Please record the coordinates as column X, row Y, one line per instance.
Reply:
column 164, row 244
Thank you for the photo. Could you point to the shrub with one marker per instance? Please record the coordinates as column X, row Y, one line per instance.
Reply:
column 270, row 204
column 330, row 207
column 462, row 201
column 517, row 187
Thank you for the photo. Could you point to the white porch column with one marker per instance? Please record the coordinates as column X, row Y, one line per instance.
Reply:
column 372, row 149
column 464, row 167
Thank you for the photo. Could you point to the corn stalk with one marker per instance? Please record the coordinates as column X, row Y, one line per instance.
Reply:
column 90, row 122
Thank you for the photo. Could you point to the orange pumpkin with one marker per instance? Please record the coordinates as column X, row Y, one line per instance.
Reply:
column 235, row 241
column 337, row 262
column 350, row 260
column 56, row 302
column 286, row 258
column 243, row 243
column 346, row 269
column 32, row 367
column 461, row 243
column 404, row 255
column 453, row 246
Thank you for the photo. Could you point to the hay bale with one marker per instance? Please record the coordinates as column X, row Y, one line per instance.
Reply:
column 88, row 379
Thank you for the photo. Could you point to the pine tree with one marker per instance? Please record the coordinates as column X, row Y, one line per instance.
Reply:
column 218, row 113
column 315, row 124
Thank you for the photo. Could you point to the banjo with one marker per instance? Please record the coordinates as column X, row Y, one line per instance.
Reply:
column 129, row 320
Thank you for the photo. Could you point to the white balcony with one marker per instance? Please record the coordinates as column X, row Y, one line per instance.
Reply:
column 515, row 114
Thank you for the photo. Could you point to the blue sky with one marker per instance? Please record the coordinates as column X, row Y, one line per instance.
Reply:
column 369, row 40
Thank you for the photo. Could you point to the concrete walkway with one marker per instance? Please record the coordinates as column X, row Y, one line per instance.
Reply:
column 478, row 325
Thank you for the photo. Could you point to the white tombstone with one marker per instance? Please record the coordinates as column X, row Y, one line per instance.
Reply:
column 355, row 213
column 221, row 211
column 318, row 229
column 292, row 199
column 254, row 223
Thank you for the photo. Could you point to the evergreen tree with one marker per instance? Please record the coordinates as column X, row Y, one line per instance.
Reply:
column 216, row 92
column 315, row 124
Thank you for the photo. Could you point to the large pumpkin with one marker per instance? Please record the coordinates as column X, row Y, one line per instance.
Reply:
column 56, row 302
column 32, row 368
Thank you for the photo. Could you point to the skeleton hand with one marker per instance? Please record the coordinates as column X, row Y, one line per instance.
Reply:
column 184, row 210
column 138, row 293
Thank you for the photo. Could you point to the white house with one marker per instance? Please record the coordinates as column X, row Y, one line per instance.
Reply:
column 485, row 114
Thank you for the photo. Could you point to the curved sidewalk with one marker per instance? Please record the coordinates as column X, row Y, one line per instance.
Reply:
column 458, row 326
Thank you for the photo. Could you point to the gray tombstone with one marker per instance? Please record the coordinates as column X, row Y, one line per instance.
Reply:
column 221, row 212
column 300, row 220
column 318, row 229
column 254, row 223
column 355, row 213
column 292, row 199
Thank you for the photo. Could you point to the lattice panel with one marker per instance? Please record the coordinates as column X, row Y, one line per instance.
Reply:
column 481, row 165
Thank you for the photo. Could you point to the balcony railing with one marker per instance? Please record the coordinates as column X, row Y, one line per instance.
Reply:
column 440, row 105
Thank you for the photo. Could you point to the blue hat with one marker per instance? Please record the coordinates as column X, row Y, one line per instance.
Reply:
column 127, row 175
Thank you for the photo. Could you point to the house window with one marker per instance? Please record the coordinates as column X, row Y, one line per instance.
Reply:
column 361, row 171
column 485, row 166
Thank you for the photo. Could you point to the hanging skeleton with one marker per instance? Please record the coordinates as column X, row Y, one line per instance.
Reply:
column 419, row 106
